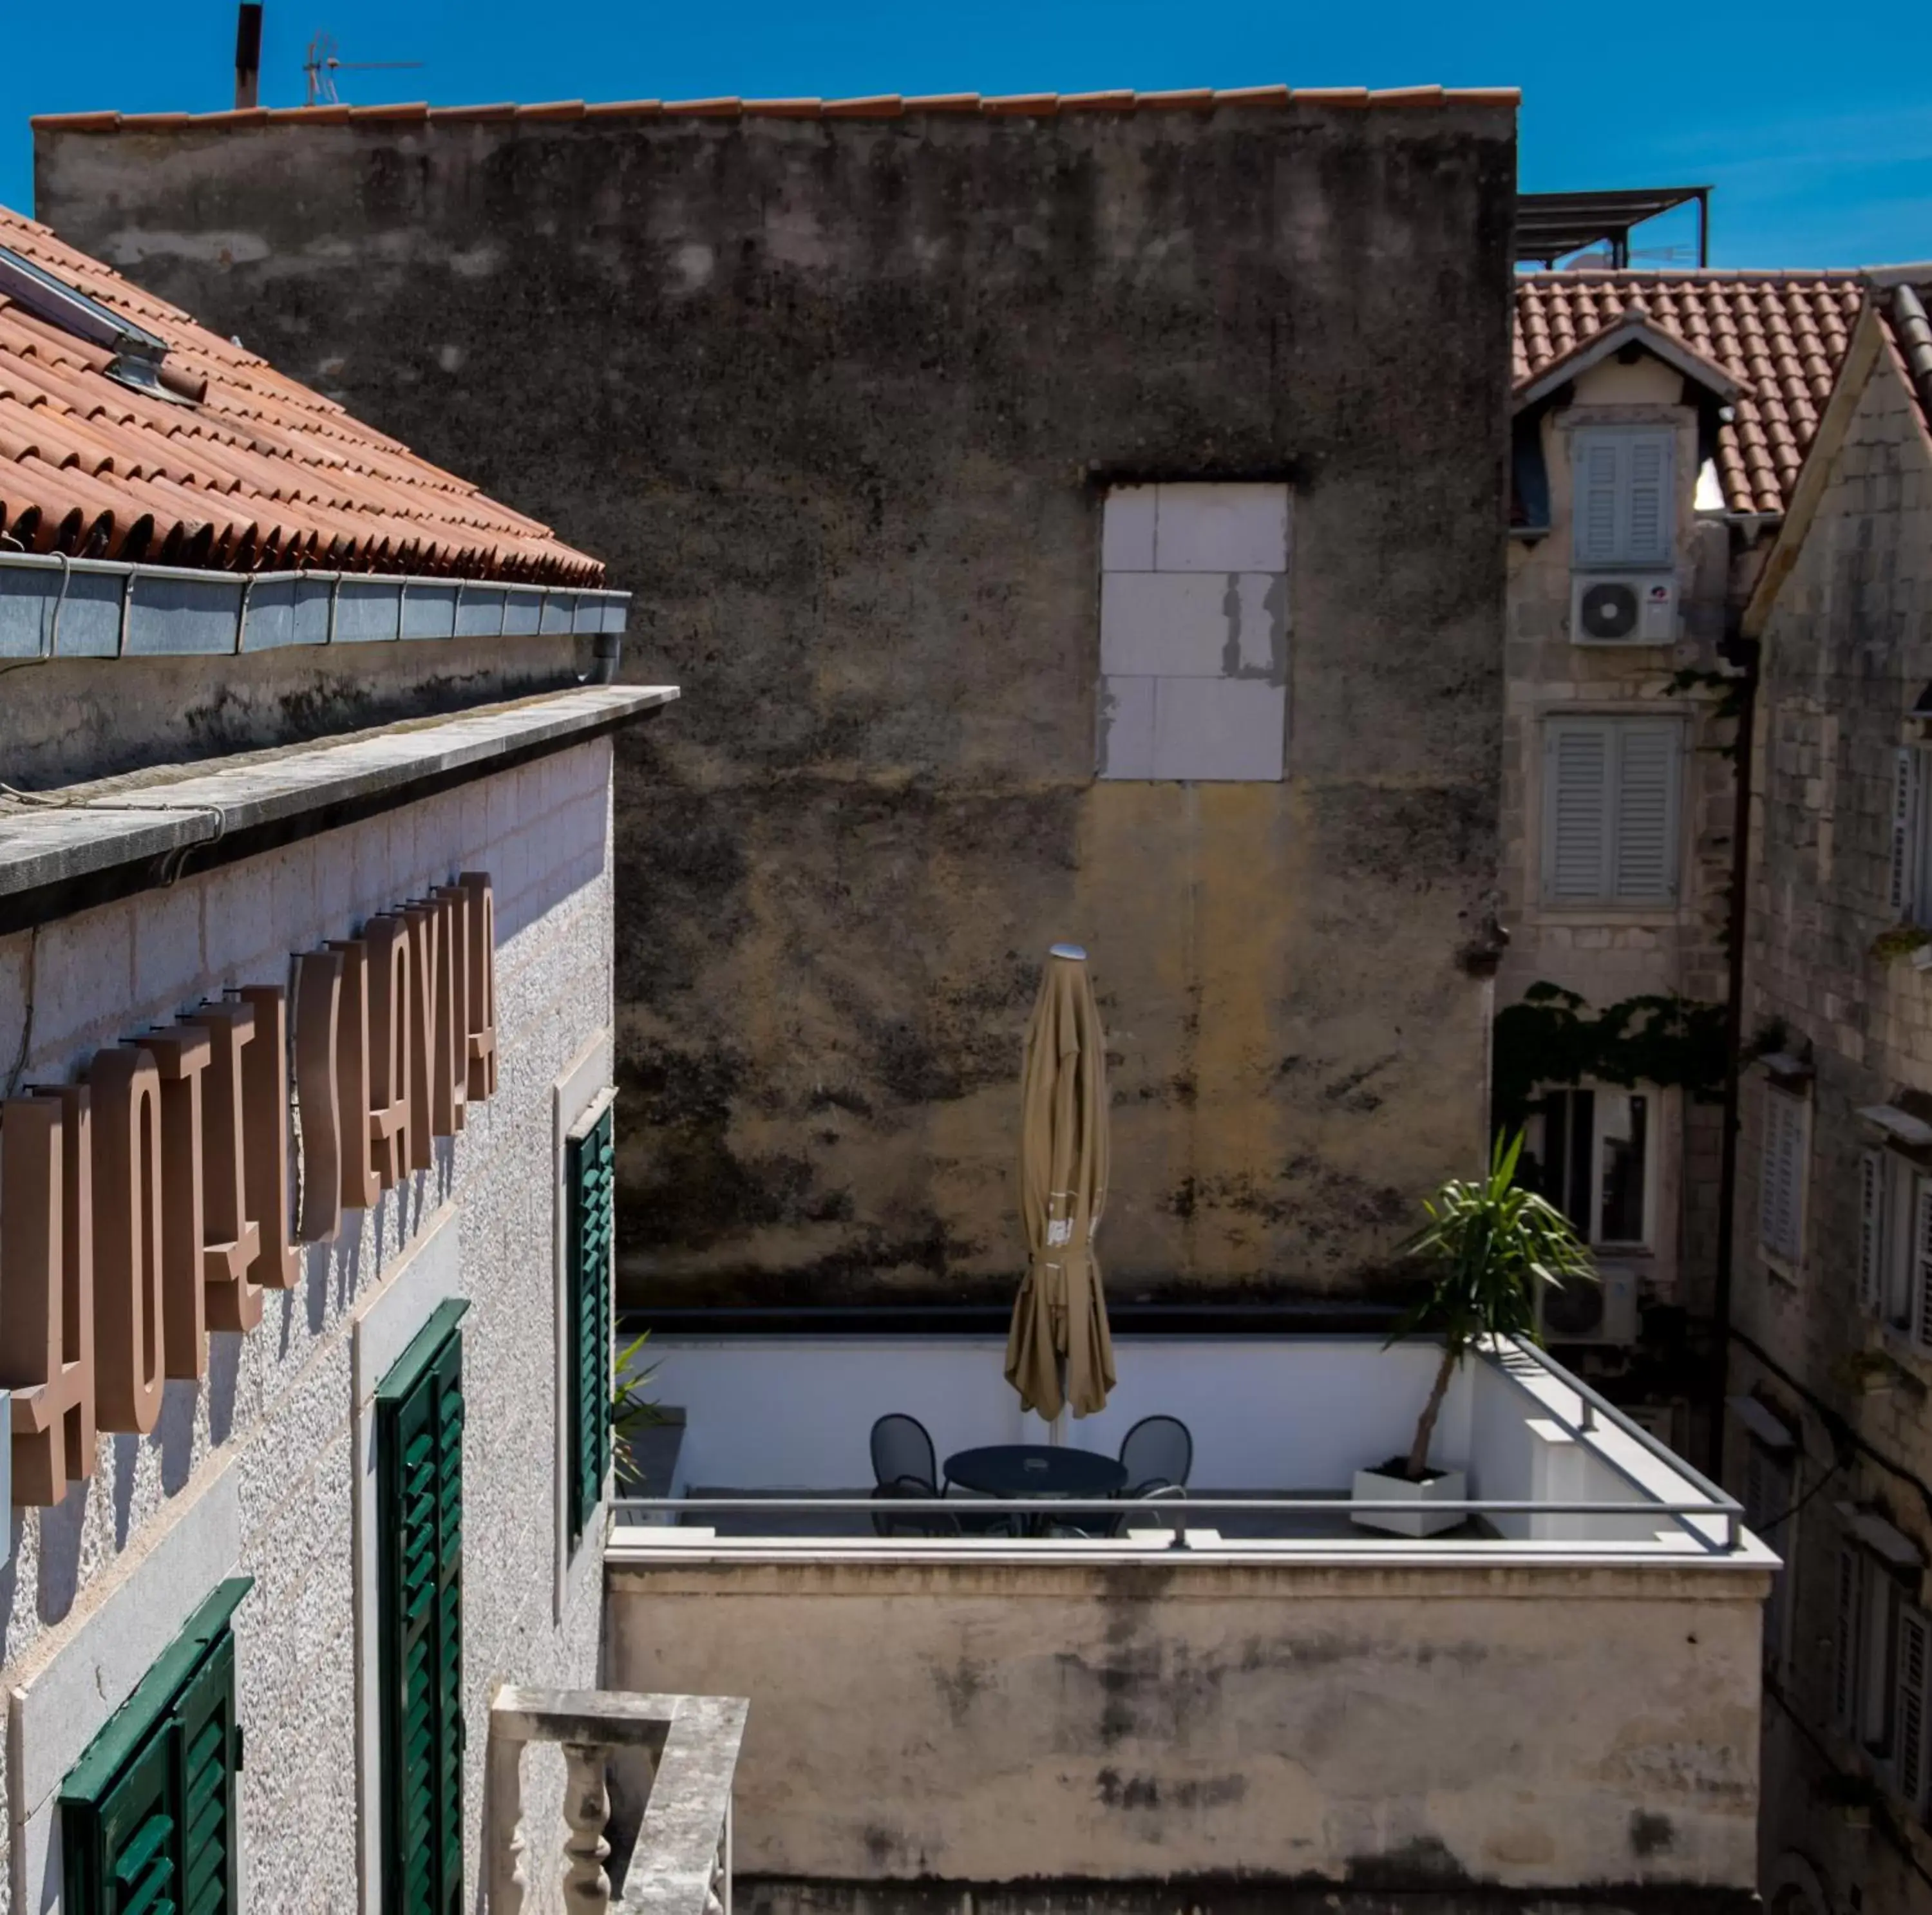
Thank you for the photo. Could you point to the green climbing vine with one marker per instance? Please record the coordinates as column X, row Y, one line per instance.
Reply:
column 1550, row 1038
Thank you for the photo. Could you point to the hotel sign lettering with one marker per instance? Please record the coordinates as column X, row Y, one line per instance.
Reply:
column 151, row 1203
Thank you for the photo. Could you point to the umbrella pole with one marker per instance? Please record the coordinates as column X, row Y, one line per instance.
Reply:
column 1056, row 1431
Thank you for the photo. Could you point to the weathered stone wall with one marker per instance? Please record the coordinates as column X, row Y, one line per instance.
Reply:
column 946, row 1723
column 839, row 399
column 268, row 1438
column 1847, row 651
column 1607, row 956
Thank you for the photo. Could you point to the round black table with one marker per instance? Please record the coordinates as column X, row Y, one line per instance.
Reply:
column 1035, row 1469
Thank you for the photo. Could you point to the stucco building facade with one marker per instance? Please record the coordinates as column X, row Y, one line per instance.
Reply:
column 918, row 419
column 299, row 1044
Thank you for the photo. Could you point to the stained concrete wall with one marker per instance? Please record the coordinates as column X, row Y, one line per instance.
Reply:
column 839, row 399
column 1847, row 653
column 70, row 720
column 270, row 1430
column 1252, row 1725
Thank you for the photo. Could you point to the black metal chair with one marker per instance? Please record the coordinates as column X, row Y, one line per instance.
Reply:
column 905, row 1464
column 902, row 1452
column 1157, row 1450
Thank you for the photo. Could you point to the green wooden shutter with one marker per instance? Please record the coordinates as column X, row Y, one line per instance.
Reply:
column 419, row 1438
column 148, row 1821
column 590, row 1178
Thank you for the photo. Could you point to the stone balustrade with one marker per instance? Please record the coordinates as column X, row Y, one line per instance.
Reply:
column 681, row 1862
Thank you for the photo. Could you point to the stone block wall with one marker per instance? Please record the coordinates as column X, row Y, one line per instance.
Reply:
column 1608, row 956
column 1847, row 651
column 268, row 1435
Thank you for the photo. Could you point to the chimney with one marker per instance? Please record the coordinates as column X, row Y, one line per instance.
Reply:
column 247, row 51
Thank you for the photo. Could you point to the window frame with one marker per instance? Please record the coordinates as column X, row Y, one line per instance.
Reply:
column 1615, row 729
column 426, row 1371
column 588, row 1493
column 1593, row 1235
column 1781, row 1105
column 1770, row 1501
column 1895, row 1244
column 143, row 1743
column 1624, row 441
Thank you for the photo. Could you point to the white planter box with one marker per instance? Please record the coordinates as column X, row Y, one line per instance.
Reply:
column 1372, row 1487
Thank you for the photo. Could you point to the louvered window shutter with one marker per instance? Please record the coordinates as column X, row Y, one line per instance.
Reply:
column 148, row 1819
column 419, row 1411
column 1579, row 765
column 1646, row 811
column 1781, row 1193
column 590, row 1174
column 1599, row 508
column 1648, row 526
column 1921, row 1264
column 1871, row 1229
column 1911, row 1706
column 1845, row 1643
column 1904, row 835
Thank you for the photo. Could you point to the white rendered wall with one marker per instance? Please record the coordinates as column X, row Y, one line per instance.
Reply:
column 795, row 1413
column 271, row 1425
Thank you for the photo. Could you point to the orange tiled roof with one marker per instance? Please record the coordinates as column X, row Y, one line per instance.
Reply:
column 881, row 105
column 261, row 474
column 1781, row 335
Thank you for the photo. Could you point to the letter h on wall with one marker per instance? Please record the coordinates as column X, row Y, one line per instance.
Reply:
column 46, row 1304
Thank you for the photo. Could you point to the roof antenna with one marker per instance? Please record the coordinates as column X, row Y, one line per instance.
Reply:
column 322, row 66
column 247, row 53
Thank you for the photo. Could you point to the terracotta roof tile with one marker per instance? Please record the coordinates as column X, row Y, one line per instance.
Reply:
column 261, row 466
column 880, row 106
column 1781, row 335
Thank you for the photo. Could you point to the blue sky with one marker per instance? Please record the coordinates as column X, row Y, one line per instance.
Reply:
column 1819, row 141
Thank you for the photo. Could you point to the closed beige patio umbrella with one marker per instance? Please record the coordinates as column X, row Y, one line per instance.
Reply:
column 1059, row 1352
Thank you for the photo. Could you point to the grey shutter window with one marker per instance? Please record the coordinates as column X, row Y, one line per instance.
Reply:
column 1622, row 503
column 1610, row 811
column 1596, row 507
column 1649, row 527
column 1871, row 1229
column 1845, row 1643
column 1577, row 811
column 1646, row 813
column 1781, row 1193
column 1910, row 1708
column 1904, row 816
column 1921, row 1263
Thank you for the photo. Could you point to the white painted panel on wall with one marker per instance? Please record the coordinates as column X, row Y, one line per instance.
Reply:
column 1126, row 529
column 1218, row 729
column 1126, row 727
column 1222, row 528
column 1187, row 625
column 1211, row 615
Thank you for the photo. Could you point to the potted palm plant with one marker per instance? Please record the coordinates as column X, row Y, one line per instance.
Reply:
column 1488, row 1245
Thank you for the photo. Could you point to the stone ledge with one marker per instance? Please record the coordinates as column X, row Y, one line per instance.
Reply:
column 88, row 844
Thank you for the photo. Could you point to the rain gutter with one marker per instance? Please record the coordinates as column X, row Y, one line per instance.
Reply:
column 53, row 607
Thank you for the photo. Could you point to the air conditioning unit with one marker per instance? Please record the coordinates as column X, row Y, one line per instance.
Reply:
column 1623, row 608
column 1580, row 1311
